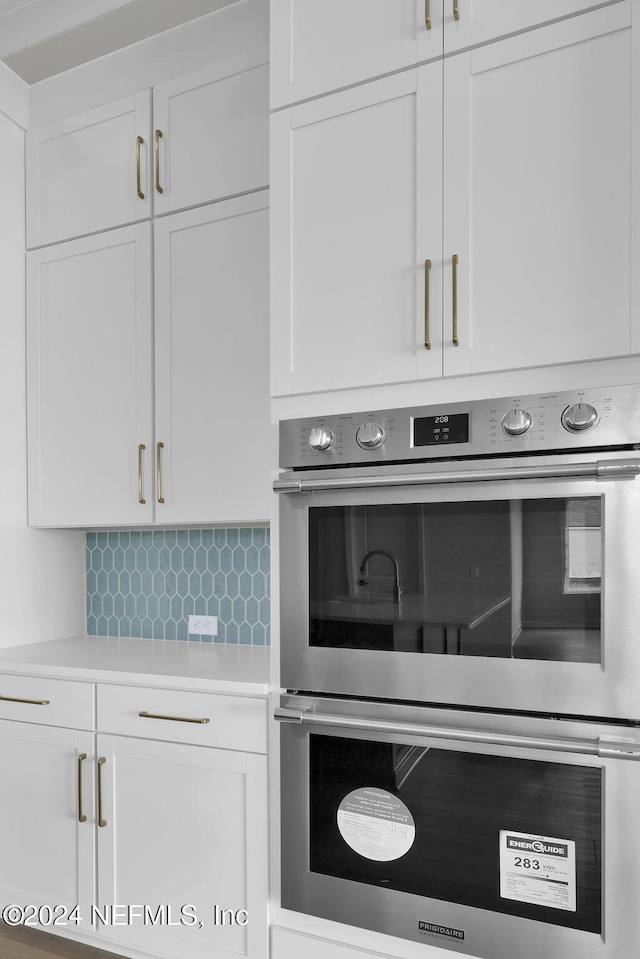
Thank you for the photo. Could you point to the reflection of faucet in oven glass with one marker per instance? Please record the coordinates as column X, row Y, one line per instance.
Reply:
column 363, row 581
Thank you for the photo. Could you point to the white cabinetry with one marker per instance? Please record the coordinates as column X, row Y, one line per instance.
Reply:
column 90, row 172
column 47, row 847
column 518, row 193
column 320, row 47
column 356, row 182
column 93, row 457
column 212, row 370
column 107, row 167
column 168, row 809
column 89, row 354
column 184, row 822
column 212, row 133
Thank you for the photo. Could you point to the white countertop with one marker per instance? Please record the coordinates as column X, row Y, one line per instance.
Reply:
column 209, row 667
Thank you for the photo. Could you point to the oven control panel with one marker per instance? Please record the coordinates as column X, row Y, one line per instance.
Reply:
column 567, row 420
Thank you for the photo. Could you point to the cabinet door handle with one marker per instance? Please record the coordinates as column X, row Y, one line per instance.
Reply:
column 139, row 142
column 158, row 136
column 427, row 18
column 141, row 499
column 174, row 719
column 427, row 273
column 456, row 10
column 81, row 815
column 454, row 299
column 31, row 702
column 159, row 449
column 101, row 822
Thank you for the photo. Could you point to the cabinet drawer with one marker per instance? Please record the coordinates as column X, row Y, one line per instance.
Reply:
column 51, row 702
column 232, row 722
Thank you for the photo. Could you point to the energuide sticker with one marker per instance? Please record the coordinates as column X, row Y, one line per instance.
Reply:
column 376, row 824
column 538, row 869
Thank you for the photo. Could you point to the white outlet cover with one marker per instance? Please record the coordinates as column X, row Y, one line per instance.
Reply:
column 203, row 625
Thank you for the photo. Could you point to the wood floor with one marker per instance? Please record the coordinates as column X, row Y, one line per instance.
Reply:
column 19, row 942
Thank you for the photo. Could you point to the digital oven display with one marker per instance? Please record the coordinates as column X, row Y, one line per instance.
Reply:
column 444, row 429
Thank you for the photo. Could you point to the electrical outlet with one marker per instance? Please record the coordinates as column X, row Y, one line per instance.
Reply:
column 207, row 625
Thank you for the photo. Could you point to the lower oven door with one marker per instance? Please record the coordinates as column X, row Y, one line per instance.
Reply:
column 491, row 835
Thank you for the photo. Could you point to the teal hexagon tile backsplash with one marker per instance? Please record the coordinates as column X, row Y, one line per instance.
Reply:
column 146, row 583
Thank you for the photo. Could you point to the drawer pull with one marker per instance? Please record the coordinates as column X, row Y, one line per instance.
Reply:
column 141, row 499
column 159, row 449
column 427, row 271
column 139, row 142
column 454, row 300
column 158, row 136
column 174, row 719
column 81, row 815
column 31, row 702
column 101, row 822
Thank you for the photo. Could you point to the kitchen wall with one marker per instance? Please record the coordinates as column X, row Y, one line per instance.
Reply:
column 41, row 571
column 146, row 583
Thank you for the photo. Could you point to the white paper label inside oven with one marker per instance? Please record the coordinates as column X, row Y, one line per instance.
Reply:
column 376, row 824
column 538, row 869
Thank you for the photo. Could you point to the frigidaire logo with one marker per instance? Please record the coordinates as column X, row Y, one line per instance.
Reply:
column 437, row 930
column 535, row 845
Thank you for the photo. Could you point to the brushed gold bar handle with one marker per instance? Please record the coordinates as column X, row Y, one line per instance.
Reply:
column 158, row 137
column 81, row 815
column 31, row 702
column 101, row 822
column 427, row 17
column 174, row 719
column 139, row 142
column 427, row 273
column 454, row 299
column 159, row 449
column 456, row 10
column 141, row 499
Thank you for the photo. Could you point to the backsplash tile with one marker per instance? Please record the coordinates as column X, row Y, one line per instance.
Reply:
column 146, row 583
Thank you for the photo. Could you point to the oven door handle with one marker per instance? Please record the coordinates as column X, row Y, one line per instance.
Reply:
column 602, row 747
column 603, row 469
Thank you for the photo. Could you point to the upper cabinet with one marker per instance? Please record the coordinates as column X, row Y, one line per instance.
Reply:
column 320, row 47
column 112, row 166
column 211, row 134
column 469, row 215
column 90, row 172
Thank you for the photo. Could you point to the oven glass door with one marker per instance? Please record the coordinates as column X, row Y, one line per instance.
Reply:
column 516, row 836
column 515, row 579
column 511, row 594
column 489, row 835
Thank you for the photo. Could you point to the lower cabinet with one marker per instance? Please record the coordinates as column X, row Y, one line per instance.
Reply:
column 47, row 859
column 155, row 827
column 287, row 944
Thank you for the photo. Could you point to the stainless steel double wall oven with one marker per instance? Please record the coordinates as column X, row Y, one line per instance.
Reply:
column 460, row 636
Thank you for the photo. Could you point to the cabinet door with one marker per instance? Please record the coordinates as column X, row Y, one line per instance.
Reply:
column 185, row 826
column 356, row 210
column 471, row 22
column 47, row 852
column 89, row 380
column 211, row 133
column 212, row 363
column 82, row 173
column 318, row 47
column 537, row 195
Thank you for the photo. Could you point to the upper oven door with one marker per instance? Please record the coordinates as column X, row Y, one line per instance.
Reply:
column 507, row 587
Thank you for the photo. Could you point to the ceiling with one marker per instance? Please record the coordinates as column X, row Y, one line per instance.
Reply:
column 41, row 38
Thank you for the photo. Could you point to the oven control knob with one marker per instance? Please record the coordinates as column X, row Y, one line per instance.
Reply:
column 579, row 417
column 320, row 438
column 370, row 436
column 516, row 422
